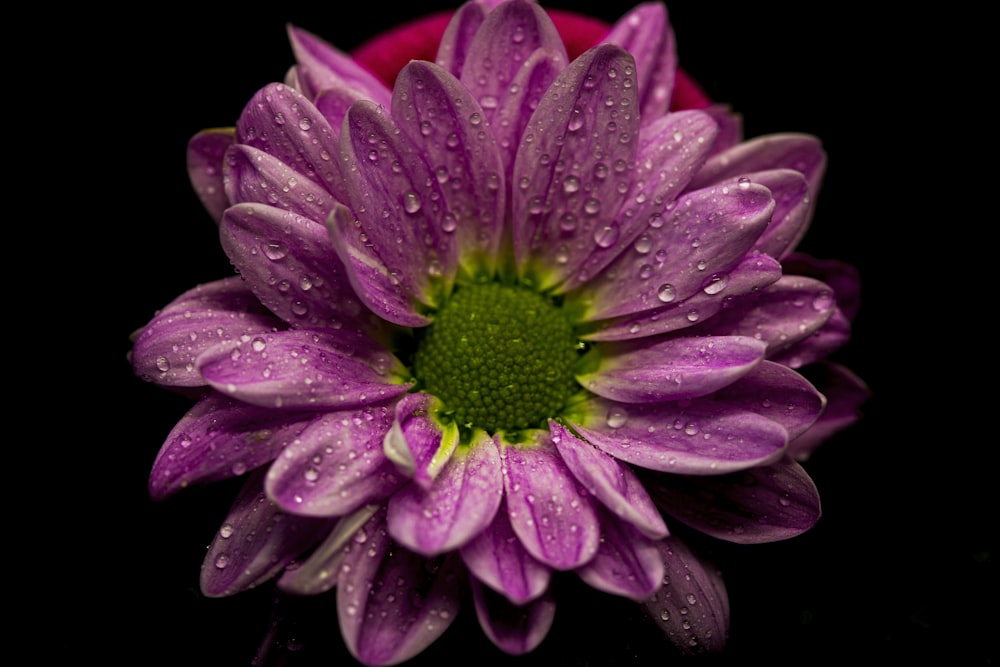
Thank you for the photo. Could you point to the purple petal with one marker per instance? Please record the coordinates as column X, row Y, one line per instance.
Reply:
column 671, row 369
column 392, row 603
column 567, row 184
column 778, row 393
column 611, row 482
column 336, row 465
column 782, row 314
column 448, row 127
column 398, row 204
column 458, row 36
column 692, row 606
column 417, row 443
column 282, row 122
column 645, row 32
column 845, row 393
column 752, row 273
column 205, row 153
column 627, row 563
column 305, row 370
column 842, row 277
column 371, row 279
column 670, row 151
column 506, row 39
column 692, row 248
column 697, row 437
column 763, row 504
column 256, row 542
column 513, row 111
column 792, row 209
column 318, row 572
column 802, row 152
column 220, row 438
column 323, row 66
column 550, row 512
column 217, row 314
column 498, row 559
column 834, row 334
column 460, row 504
column 256, row 177
column 287, row 261
column 514, row 629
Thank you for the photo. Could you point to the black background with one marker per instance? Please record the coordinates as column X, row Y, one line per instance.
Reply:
column 900, row 566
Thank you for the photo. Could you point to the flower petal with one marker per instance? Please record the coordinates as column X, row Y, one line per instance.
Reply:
column 701, row 239
column 697, row 437
column 782, row 314
column 611, row 482
column 336, row 465
column 460, row 504
column 305, row 370
column 627, row 563
column 448, row 126
column 217, row 314
column 671, row 149
column 514, row 629
column 645, row 32
column 456, row 40
column 392, row 603
column 285, row 260
column 692, row 606
column 257, row 177
column 256, row 542
column 778, row 393
column 508, row 35
column 550, row 512
column 498, row 559
column 398, row 203
column 802, row 152
column 671, row 369
column 322, row 66
column 318, row 572
column 205, row 152
column 220, row 438
column 845, row 393
column 573, row 166
column 417, row 443
column 752, row 273
column 514, row 109
column 764, row 504
column 282, row 122
column 792, row 210
column 369, row 276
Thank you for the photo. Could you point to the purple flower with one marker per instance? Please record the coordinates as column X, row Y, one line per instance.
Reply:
column 514, row 318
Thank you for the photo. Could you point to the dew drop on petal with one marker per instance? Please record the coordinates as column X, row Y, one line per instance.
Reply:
column 617, row 417
column 666, row 293
column 605, row 236
column 275, row 250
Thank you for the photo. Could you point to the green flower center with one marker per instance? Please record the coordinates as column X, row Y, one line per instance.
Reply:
column 500, row 358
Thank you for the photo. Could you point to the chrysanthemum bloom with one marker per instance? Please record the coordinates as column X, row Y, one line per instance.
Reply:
column 517, row 318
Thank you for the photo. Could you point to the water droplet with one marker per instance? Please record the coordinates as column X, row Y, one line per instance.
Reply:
column 226, row 531
column 605, row 236
column 275, row 250
column 617, row 417
column 571, row 184
column 411, row 202
column 666, row 293
column 717, row 284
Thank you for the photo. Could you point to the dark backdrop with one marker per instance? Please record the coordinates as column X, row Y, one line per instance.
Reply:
column 899, row 567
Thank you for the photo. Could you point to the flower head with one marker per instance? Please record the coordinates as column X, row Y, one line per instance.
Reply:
column 520, row 315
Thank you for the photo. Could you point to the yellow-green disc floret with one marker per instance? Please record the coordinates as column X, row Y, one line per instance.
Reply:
column 499, row 357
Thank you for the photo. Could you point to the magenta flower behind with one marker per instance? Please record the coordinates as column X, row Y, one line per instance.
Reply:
column 521, row 317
